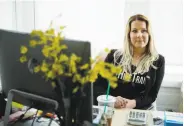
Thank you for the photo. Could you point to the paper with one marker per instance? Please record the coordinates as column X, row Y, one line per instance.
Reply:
column 173, row 116
column 169, row 116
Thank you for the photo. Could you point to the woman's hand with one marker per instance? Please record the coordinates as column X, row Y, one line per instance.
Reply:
column 120, row 102
column 130, row 103
column 124, row 103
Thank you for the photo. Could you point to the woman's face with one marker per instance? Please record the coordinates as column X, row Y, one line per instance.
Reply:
column 139, row 35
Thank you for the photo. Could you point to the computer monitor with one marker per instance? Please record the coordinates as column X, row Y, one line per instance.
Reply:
column 15, row 75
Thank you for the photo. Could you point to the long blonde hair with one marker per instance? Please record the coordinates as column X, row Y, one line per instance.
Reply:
column 127, row 53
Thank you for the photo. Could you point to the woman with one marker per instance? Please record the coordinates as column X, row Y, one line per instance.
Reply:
column 140, row 60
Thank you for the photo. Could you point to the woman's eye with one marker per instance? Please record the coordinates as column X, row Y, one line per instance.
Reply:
column 134, row 31
column 143, row 31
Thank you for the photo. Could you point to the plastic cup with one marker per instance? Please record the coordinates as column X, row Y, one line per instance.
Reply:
column 109, row 103
column 103, row 101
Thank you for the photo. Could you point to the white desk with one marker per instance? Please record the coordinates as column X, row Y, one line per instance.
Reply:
column 120, row 117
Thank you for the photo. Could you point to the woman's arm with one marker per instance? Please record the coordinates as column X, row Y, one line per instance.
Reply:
column 152, row 95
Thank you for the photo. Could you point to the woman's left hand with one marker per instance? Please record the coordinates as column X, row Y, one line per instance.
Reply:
column 130, row 103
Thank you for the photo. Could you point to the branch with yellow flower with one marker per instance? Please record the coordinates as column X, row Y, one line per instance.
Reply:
column 56, row 63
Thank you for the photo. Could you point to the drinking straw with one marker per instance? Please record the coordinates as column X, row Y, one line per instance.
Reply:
column 107, row 95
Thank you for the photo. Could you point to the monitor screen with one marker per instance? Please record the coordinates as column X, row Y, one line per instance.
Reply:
column 15, row 75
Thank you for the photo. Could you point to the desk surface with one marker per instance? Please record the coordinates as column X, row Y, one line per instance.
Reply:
column 120, row 117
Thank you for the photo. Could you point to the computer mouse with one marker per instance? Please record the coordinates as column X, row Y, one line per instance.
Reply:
column 157, row 121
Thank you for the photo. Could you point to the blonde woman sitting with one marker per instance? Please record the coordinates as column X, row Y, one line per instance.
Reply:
column 141, row 61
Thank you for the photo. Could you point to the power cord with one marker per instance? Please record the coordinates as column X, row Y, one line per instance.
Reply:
column 34, row 118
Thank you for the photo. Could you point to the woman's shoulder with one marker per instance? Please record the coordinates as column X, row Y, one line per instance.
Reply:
column 160, row 57
column 110, row 55
column 112, row 51
column 160, row 60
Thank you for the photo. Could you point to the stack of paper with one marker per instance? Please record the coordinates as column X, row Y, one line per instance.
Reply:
column 169, row 118
column 173, row 119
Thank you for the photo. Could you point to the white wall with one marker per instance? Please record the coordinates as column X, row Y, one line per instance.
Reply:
column 133, row 7
column 17, row 15
column 7, row 13
column 167, row 24
column 100, row 22
column 25, row 15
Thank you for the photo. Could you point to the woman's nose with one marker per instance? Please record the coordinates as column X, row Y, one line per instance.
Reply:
column 139, row 34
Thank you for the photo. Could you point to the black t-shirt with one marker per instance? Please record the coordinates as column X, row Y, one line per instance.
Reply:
column 136, row 85
column 142, row 87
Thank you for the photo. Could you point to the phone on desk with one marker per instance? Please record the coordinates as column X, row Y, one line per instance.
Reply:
column 138, row 118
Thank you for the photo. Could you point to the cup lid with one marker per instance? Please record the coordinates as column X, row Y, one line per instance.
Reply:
column 102, row 98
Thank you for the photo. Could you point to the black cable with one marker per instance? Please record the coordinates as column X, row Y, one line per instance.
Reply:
column 61, row 121
column 34, row 118
column 51, row 119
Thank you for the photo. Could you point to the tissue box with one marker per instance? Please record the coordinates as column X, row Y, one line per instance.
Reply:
column 173, row 119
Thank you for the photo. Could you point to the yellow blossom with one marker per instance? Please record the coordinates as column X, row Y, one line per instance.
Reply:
column 37, row 33
column 56, row 66
column 85, row 66
column 75, row 89
column 62, row 27
column 82, row 80
column 63, row 58
column 43, row 40
column 53, row 54
column 53, row 84
column 68, row 74
column 23, row 49
column 91, row 60
column 116, row 69
column 72, row 66
column 40, row 43
column 44, row 67
column 113, row 78
column 32, row 43
column 45, row 52
column 60, row 71
column 23, row 59
column 75, row 58
column 56, row 41
column 51, row 75
column 78, row 76
column 93, row 76
column 36, row 69
column 63, row 47
column 113, row 85
column 50, row 31
column 127, row 77
column 106, row 50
